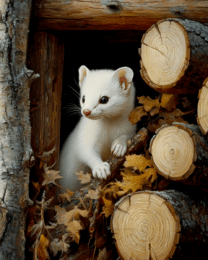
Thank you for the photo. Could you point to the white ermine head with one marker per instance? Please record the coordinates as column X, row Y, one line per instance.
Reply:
column 105, row 93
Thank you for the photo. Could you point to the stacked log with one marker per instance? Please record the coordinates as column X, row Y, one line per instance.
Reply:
column 171, row 223
column 174, row 56
column 202, row 109
column 159, row 225
column 180, row 153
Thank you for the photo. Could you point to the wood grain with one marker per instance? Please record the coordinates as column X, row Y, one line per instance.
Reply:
column 202, row 108
column 113, row 15
column 46, row 56
column 174, row 56
column 160, row 225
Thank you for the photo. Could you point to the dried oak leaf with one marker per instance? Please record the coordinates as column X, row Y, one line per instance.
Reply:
column 138, row 162
column 73, row 228
column 111, row 190
column 102, row 254
column 175, row 116
column 50, row 177
column 84, row 178
column 42, row 248
column 136, row 115
column 66, row 196
column 35, row 229
column 133, row 182
column 64, row 217
column 93, row 194
column 108, row 208
column 150, row 105
column 169, row 101
column 58, row 245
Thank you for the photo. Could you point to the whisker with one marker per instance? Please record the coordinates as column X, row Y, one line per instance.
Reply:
column 73, row 105
column 76, row 82
column 76, row 93
column 73, row 113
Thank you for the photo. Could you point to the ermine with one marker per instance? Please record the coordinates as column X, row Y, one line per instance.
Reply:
column 106, row 98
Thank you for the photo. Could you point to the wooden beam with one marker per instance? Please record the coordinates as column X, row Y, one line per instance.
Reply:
column 46, row 57
column 113, row 15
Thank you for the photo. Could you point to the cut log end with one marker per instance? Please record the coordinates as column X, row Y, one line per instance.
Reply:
column 173, row 152
column 165, row 55
column 145, row 226
column 202, row 109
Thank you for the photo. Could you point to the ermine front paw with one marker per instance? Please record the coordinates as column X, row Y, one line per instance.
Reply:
column 118, row 148
column 101, row 171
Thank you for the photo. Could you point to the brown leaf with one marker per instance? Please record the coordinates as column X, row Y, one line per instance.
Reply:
column 36, row 188
column 169, row 101
column 110, row 191
column 64, row 217
column 139, row 162
column 66, row 196
column 3, row 222
column 84, row 178
column 42, row 248
column 136, row 115
column 175, row 116
column 73, row 228
column 150, row 104
column 50, row 177
column 102, row 254
column 93, row 194
column 136, row 182
column 108, row 208
column 155, row 111
column 58, row 245
column 33, row 217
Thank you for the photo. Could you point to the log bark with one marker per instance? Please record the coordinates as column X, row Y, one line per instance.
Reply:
column 202, row 108
column 159, row 225
column 179, row 153
column 15, row 130
column 113, row 15
column 174, row 56
column 46, row 56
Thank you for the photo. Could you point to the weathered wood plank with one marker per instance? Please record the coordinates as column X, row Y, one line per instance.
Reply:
column 46, row 56
column 114, row 15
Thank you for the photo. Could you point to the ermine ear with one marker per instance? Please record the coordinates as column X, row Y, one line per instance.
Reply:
column 124, row 75
column 83, row 71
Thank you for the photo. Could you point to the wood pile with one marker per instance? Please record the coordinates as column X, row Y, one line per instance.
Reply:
column 154, row 205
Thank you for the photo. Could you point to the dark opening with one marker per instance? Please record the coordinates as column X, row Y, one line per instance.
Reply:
column 98, row 50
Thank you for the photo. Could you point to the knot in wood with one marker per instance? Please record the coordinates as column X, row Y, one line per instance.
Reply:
column 114, row 5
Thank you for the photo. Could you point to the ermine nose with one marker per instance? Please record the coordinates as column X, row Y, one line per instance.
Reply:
column 87, row 112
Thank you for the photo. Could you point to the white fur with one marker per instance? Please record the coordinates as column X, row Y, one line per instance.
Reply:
column 105, row 131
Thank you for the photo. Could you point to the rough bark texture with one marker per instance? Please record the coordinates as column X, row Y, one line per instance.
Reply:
column 198, row 175
column 114, row 15
column 15, row 130
column 195, row 68
column 192, row 213
column 46, row 56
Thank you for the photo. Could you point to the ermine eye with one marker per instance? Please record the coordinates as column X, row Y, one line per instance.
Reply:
column 104, row 100
column 83, row 99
